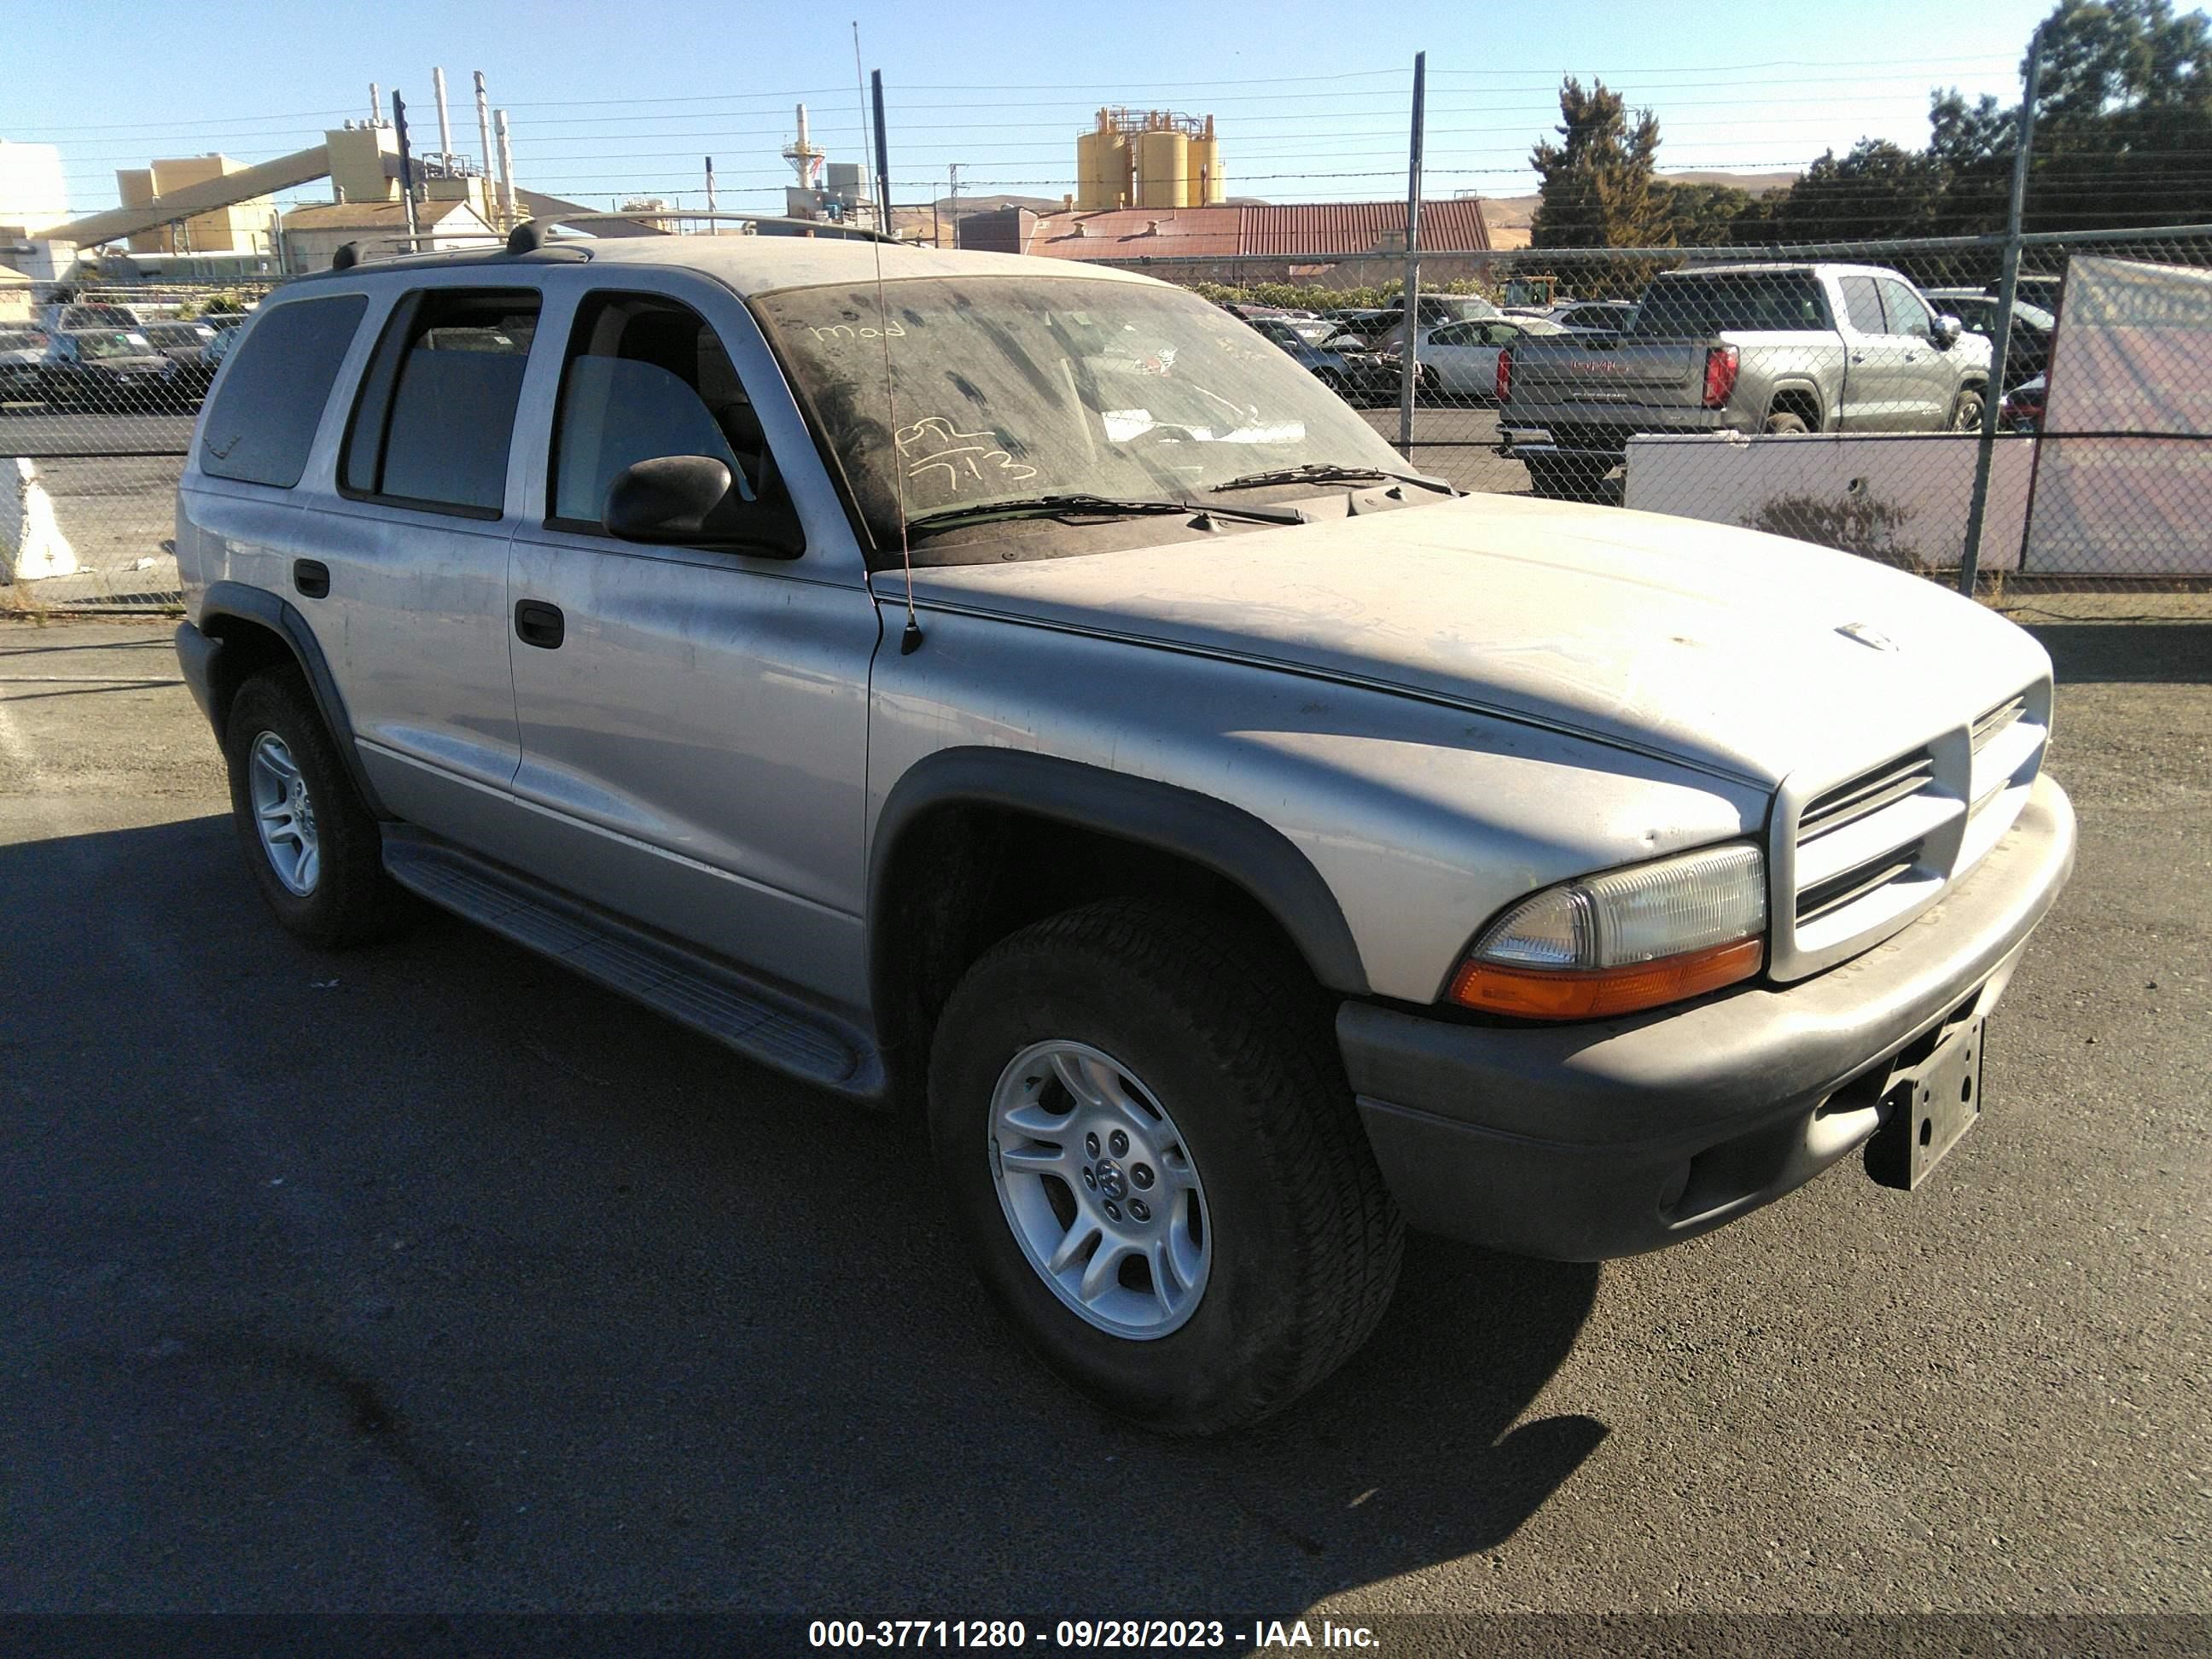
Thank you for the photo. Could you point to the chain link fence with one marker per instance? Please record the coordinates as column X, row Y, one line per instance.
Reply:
column 1814, row 392
column 1849, row 394
column 98, row 389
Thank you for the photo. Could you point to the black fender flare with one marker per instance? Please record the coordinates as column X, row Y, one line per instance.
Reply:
column 265, row 609
column 1211, row 833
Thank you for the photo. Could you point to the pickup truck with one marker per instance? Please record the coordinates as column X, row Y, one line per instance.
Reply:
column 1772, row 349
column 1021, row 698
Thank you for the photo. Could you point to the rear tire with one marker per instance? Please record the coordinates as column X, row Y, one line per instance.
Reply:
column 313, row 847
column 1204, row 1066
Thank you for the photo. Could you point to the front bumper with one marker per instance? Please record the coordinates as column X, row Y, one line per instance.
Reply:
column 1584, row 1142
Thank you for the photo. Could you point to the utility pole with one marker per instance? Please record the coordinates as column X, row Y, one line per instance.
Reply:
column 406, row 164
column 1977, row 506
column 952, row 179
column 1409, row 361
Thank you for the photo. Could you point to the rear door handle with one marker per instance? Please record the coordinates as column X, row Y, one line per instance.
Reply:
column 312, row 577
column 538, row 624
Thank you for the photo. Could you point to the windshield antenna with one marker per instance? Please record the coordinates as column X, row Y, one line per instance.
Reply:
column 910, row 640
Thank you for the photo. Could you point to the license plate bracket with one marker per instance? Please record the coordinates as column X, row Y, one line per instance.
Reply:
column 1932, row 1106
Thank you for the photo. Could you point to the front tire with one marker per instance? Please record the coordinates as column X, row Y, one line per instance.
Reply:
column 1966, row 413
column 1120, row 1080
column 313, row 847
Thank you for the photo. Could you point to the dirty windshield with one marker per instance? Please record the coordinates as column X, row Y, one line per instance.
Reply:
column 1010, row 388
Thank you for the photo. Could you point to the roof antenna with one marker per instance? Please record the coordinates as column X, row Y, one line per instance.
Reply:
column 910, row 639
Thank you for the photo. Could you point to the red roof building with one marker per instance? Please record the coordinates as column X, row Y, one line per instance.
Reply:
column 1323, row 230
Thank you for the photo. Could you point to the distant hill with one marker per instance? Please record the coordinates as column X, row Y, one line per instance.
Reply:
column 1508, row 216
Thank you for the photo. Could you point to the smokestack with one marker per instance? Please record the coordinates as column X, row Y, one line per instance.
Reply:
column 506, row 204
column 483, row 140
column 375, row 105
column 444, row 125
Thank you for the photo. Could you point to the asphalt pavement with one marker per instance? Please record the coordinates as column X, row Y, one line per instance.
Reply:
column 431, row 1277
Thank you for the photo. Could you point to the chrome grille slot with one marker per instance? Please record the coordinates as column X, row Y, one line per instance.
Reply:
column 1998, row 720
column 1866, row 795
column 1833, row 894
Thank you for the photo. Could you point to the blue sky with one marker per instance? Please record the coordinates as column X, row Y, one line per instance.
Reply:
column 1310, row 101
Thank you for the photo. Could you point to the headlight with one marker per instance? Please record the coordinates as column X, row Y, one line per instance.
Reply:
column 1629, row 940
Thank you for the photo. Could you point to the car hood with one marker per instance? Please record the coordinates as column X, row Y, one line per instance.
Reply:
column 1745, row 655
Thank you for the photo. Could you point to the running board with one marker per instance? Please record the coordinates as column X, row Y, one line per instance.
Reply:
column 769, row 1026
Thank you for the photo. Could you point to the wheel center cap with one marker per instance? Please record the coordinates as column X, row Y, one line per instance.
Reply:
column 1111, row 1181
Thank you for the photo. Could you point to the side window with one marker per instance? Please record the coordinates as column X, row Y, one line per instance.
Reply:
column 263, row 419
column 1907, row 314
column 1455, row 335
column 436, row 411
column 647, row 376
column 1864, row 306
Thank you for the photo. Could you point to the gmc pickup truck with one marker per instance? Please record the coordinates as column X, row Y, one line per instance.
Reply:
column 1017, row 695
column 1749, row 349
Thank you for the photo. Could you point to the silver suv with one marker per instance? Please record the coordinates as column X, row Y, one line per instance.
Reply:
column 1023, row 695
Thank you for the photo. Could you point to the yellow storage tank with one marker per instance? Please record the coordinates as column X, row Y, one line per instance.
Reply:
column 1203, row 187
column 1102, row 167
column 1162, row 168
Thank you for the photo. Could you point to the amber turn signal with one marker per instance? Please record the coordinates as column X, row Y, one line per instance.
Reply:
column 1560, row 994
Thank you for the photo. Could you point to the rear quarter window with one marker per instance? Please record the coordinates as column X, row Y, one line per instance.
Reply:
column 261, row 425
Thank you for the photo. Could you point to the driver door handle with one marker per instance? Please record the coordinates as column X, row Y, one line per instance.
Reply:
column 538, row 624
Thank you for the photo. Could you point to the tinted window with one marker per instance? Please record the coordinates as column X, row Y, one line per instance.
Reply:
column 436, row 415
column 645, row 377
column 1693, row 306
column 262, row 422
column 1864, row 306
column 1907, row 315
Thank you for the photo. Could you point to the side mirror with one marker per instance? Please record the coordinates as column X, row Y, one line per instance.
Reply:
column 1947, row 329
column 690, row 500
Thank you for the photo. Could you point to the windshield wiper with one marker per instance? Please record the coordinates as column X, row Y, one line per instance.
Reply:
column 1104, row 507
column 1329, row 472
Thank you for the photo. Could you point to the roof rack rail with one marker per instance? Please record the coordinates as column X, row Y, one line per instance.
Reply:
column 532, row 233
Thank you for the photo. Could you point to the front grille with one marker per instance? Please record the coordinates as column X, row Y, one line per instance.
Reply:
column 1859, row 858
column 1827, row 897
column 1995, row 722
column 1866, row 795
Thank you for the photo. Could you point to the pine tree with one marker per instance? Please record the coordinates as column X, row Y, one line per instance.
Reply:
column 1599, row 189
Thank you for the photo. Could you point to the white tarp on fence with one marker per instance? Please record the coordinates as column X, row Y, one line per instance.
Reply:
column 2132, row 365
column 1899, row 497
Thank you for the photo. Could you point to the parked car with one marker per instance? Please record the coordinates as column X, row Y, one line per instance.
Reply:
column 1594, row 316
column 2022, row 408
column 1388, row 332
column 1337, row 359
column 21, row 351
column 2032, row 328
column 115, row 370
column 74, row 316
column 1459, row 361
column 1078, row 728
column 186, row 346
column 1775, row 349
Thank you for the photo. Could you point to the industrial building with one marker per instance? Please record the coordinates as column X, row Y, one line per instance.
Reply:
column 212, row 218
column 31, row 194
column 1149, row 159
column 246, row 226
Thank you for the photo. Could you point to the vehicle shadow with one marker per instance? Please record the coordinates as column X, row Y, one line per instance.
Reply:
column 2124, row 652
column 669, row 1330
